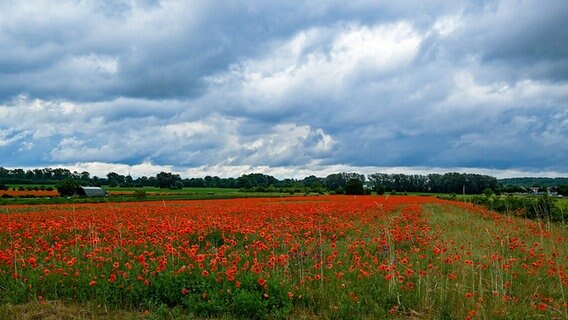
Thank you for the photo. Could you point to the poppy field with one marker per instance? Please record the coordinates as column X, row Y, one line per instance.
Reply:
column 292, row 257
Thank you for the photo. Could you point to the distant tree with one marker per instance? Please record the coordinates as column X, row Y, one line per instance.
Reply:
column 488, row 192
column 334, row 181
column 338, row 181
column 85, row 176
column 311, row 181
column 354, row 186
column 563, row 190
column 177, row 185
column 253, row 180
column 167, row 180
column 114, row 179
column 67, row 187
column 379, row 189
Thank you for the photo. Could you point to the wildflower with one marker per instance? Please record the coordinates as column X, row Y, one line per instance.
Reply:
column 32, row 261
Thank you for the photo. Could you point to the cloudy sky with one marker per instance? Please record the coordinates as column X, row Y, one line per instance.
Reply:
column 285, row 87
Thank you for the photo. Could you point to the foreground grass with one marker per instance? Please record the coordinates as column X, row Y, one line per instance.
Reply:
column 496, row 266
column 58, row 310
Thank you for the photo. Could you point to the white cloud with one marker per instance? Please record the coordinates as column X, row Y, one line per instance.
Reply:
column 9, row 136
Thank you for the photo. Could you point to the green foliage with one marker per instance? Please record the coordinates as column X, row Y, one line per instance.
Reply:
column 178, row 185
column 379, row 189
column 488, row 192
column 437, row 183
column 541, row 207
column 67, row 187
column 338, row 181
column 168, row 180
column 248, row 181
column 532, row 181
column 139, row 194
column 354, row 186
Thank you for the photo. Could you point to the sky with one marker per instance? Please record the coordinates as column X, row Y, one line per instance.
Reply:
column 288, row 88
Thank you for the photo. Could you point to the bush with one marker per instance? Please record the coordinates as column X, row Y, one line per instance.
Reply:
column 380, row 189
column 354, row 186
column 542, row 207
column 488, row 192
column 67, row 187
column 178, row 185
column 139, row 194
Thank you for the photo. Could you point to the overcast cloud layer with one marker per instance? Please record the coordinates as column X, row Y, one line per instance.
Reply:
column 285, row 87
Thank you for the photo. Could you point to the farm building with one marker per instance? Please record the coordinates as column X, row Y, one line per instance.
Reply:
column 92, row 192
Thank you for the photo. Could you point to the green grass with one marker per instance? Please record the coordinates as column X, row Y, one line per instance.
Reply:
column 65, row 310
column 11, row 186
column 152, row 194
column 481, row 238
column 562, row 203
column 184, row 190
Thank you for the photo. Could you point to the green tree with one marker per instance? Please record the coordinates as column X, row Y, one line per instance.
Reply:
column 67, row 187
column 380, row 189
column 167, row 180
column 563, row 190
column 354, row 186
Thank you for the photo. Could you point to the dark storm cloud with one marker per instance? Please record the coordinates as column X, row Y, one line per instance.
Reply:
column 96, row 50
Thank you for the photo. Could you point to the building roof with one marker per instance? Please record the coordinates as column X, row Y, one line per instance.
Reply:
column 93, row 191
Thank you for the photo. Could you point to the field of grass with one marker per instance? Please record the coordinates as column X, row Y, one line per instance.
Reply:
column 181, row 191
column 325, row 257
column 563, row 204
column 118, row 194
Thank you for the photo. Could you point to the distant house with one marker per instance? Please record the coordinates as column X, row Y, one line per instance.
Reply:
column 92, row 192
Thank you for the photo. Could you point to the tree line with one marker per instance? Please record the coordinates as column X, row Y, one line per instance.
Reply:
column 344, row 182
